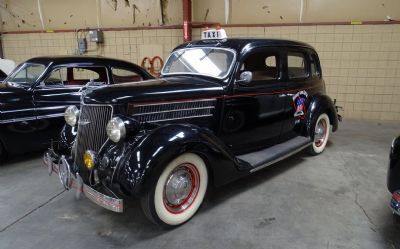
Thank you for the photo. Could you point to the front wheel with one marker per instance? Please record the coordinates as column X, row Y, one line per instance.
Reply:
column 178, row 193
column 321, row 134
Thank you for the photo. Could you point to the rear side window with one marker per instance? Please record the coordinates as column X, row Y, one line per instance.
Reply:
column 315, row 70
column 85, row 74
column 123, row 75
column 297, row 66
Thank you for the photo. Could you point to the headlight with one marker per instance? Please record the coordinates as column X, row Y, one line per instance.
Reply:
column 71, row 115
column 116, row 129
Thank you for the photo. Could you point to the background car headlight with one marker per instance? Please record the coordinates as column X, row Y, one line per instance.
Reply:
column 116, row 129
column 71, row 115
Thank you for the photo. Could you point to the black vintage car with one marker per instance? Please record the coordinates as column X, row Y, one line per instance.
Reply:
column 222, row 109
column 393, row 179
column 34, row 96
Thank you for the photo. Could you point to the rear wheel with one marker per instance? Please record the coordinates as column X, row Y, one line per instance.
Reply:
column 322, row 129
column 178, row 193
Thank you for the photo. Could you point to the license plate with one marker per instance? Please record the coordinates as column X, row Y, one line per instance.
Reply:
column 105, row 201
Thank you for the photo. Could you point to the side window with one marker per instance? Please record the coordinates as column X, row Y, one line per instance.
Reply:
column 57, row 77
column 263, row 66
column 122, row 75
column 297, row 67
column 315, row 71
column 75, row 76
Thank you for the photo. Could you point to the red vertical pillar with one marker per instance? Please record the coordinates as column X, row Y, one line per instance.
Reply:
column 187, row 20
column 1, row 46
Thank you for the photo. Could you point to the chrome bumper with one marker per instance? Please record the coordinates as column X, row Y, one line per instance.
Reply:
column 60, row 166
column 395, row 202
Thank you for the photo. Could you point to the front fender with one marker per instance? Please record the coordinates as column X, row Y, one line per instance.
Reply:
column 142, row 162
column 320, row 104
column 393, row 176
column 66, row 140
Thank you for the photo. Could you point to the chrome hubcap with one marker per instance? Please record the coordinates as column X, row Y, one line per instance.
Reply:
column 181, row 188
column 320, row 133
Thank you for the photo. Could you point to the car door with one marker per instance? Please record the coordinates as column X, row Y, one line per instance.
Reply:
column 59, row 89
column 302, row 77
column 18, row 115
column 254, row 114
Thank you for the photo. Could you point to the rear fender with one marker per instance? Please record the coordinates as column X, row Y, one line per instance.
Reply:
column 320, row 104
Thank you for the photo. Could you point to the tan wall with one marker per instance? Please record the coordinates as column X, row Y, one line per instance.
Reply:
column 22, row 15
column 18, row 15
column 288, row 11
column 361, row 63
column 131, row 45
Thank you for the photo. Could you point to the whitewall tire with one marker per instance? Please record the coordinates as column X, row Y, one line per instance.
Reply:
column 179, row 191
column 322, row 129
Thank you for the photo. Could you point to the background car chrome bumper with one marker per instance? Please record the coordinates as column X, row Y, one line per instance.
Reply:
column 60, row 165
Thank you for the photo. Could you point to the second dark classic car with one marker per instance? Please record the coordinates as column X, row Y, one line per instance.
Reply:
column 222, row 109
column 36, row 93
column 393, row 179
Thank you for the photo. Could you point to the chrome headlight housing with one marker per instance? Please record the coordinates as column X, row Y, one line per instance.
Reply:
column 71, row 115
column 116, row 129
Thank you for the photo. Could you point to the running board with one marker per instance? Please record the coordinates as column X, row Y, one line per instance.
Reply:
column 264, row 158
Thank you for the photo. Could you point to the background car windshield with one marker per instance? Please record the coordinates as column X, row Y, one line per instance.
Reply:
column 214, row 62
column 26, row 74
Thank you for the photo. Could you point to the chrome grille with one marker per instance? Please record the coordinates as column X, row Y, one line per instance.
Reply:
column 170, row 111
column 92, row 132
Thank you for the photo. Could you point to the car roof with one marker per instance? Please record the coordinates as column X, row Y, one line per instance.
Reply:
column 239, row 44
column 92, row 60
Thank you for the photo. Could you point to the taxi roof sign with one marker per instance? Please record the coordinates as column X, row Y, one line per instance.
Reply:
column 213, row 34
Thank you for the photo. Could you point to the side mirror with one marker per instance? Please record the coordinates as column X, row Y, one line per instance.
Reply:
column 246, row 77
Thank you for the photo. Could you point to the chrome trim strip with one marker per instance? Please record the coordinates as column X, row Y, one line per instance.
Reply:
column 39, row 108
column 175, row 102
column 7, row 121
column 280, row 158
column 51, row 116
column 175, row 110
column 162, row 120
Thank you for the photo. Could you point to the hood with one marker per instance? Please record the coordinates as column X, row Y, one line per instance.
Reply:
column 164, row 89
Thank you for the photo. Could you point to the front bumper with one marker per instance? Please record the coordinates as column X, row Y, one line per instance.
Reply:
column 60, row 166
column 395, row 202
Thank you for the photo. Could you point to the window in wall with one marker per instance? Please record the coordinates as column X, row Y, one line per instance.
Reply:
column 297, row 66
column 123, row 75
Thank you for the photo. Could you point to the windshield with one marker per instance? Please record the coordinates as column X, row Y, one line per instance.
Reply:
column 26, row 74
column 214, row 62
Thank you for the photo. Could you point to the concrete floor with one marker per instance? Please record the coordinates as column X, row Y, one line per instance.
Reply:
column 335, row 200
